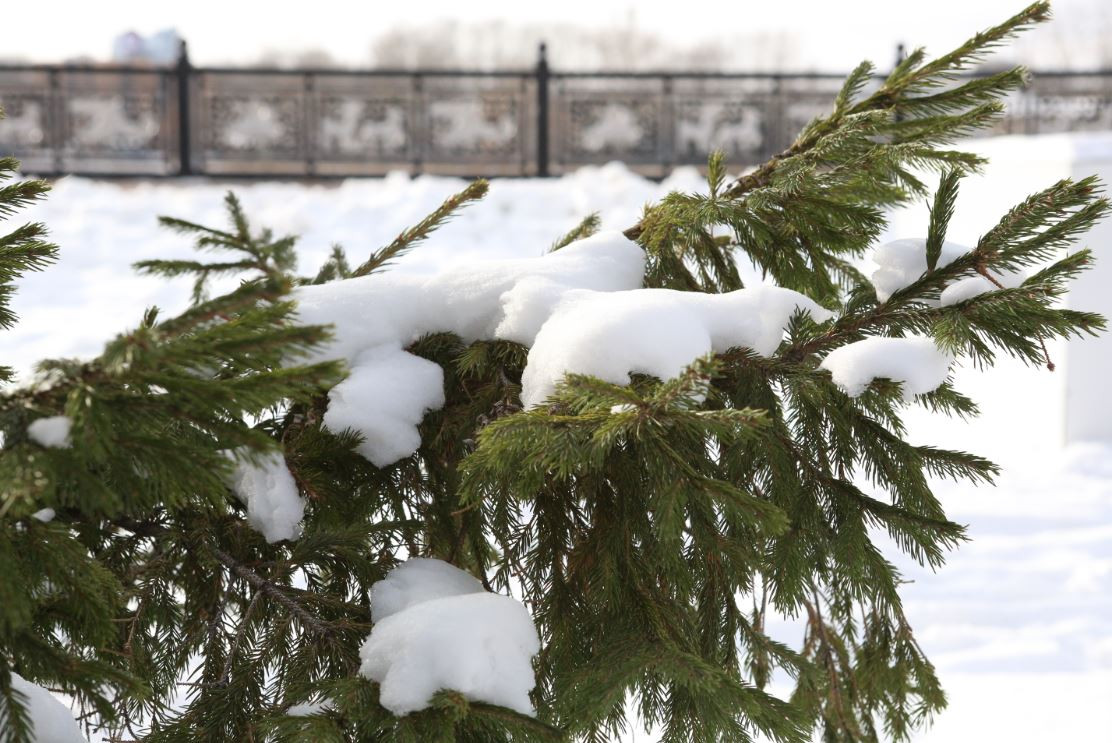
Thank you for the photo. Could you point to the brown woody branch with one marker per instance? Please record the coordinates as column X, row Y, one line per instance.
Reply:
column 307, row 619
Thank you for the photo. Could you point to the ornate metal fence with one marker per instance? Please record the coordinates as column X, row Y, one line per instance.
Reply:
column 114, row 120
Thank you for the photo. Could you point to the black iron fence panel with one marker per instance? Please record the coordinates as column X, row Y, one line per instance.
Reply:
column 338, row 124
column 1062, row 103
column 244, row 122
column 658, row 122
column 88, row 120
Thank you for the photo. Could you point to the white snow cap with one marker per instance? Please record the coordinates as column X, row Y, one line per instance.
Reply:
column 416, row 580
column 52, row 432
column 375, row 317
column 580, row 308
column 916, row 362
column 308, row 709
column 974, row 286
column 901, row 262
column 654, row 331
column 45, row 515
column 51, row 721
column 436, row 628
column 274, row 505
column 384, row 397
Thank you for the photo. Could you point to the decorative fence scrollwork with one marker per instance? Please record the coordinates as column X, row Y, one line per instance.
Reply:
column 61, row 120
column 116, row 120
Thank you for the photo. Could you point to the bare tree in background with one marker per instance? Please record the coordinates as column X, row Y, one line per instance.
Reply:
column 1077, row 38
column 297, row 58
column 500, row 45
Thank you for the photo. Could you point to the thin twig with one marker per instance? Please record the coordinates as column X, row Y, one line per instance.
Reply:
column 226, row 672
column 981, row 269
column 307, row 619
column 815, row 619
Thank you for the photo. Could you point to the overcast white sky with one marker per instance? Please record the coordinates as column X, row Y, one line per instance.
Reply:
column 831, row 34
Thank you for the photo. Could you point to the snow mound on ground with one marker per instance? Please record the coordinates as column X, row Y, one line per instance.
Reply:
column 274, row 504
column 52, row 432
column 974, row 286
column 916, row 362
column 51, row 721
column 901, row 262
column 653, row 331
column 375, row 317
column 435, row 633
column 416, row 580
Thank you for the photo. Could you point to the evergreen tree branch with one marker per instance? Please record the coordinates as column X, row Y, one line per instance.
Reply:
column 411, row 237
column 587, row 227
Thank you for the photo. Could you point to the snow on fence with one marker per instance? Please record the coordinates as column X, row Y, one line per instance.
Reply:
column 129, row 120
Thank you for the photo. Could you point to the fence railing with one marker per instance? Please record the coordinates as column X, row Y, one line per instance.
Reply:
column 116, row 120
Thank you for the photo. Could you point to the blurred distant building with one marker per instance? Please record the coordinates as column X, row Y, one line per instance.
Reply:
column 160, row 48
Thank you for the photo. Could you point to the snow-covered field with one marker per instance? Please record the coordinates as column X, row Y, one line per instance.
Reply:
column 1019, row 622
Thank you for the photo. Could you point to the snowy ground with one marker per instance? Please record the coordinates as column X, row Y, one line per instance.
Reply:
column 1019, row 622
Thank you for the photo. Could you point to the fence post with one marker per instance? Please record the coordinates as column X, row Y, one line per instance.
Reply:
column 542, row 111
column 55, row 115
column 185, row 167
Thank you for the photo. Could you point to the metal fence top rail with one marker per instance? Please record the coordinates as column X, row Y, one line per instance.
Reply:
column 85, row 67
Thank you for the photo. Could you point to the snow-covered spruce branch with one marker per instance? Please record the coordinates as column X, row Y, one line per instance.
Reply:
column 953, row 303
column 411, row 237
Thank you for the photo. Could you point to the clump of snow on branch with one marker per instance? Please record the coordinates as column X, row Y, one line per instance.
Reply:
column 388, row 389
column 973, row 286
column 45, row 515
column 416, row 580
column 274, row 504
column 654, row 331
column 308, row 709
column 436, row 628
column 51, row 721
column 916, row 362
column 900, row 263
column 580, row 308
column 384, row 397
column 52, row 432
